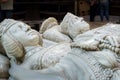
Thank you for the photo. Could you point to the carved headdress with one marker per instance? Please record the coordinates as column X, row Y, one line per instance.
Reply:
column 12, row 47
column 6, row 24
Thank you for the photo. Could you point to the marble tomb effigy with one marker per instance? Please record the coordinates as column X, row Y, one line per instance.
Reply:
column 92, row 55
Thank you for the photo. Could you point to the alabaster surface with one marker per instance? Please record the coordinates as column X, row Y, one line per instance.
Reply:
column 48, row 23
column 73, row 25
column 51, row 30
column 55, row 35
column 94, row 55
column 82, row 62
column 107, row 35
column 4, row 66
column 15, row 35
column 27, row 50
column 46, row 57
column 66, row 31
column 47, row 43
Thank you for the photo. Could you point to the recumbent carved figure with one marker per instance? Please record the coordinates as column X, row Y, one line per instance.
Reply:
column 94, row 55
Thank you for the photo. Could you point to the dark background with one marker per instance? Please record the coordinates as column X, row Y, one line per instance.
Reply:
column 41, row 9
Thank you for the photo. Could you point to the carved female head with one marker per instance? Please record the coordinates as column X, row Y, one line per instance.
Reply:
column 15, row 35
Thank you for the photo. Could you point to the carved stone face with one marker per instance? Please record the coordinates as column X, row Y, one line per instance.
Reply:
column 79, row 21
column 73, row 25
column 24, row 34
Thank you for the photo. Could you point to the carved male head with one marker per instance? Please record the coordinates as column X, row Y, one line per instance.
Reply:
column 73, row 25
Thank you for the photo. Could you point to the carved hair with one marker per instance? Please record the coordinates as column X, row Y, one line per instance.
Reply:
column 12, row 47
